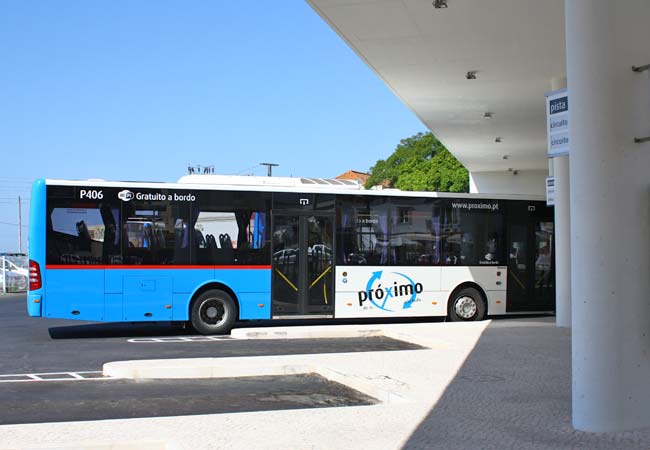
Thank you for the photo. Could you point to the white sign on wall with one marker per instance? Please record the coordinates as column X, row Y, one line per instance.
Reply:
column 557, row 123
column 550, row 191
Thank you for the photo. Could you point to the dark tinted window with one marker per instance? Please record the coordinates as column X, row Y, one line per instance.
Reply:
column 155, row 231
column 157, row 226
column 412, row 236
column 363, row 231
column 418, row 231
column 82, row 231
column 231, row 228
column 471, row 232
column 386, row 231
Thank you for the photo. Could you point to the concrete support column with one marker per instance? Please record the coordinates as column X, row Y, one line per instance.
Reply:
column 559, row 168
column 562, row 242
column 610, row 217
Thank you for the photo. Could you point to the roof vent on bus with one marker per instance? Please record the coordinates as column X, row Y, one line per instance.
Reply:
column 235, row 180
column 330, row 182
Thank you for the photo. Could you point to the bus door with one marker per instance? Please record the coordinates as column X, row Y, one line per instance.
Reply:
column 302, row 265
column 531, row 267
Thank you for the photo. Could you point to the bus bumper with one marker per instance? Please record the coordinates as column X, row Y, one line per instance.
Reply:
column 34, row 305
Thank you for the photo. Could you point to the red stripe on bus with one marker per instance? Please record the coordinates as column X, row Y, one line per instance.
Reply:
column 116, row 266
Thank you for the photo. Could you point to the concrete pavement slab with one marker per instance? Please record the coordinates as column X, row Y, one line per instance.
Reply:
column 499, row 385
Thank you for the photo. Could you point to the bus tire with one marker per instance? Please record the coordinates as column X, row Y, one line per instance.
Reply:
column 466, row 305
column 213, row 312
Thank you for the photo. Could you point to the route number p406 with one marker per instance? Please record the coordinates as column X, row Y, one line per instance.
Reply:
column 91, row 194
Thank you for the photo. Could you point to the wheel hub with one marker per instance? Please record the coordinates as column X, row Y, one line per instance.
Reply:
column 466, row 307
column 212, row 311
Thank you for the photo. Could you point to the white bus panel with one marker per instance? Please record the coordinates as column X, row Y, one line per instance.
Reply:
column 396, row 291
column 388, row 291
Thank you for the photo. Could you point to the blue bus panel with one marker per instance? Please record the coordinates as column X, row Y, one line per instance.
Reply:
column 105, row 293
column 37, row 227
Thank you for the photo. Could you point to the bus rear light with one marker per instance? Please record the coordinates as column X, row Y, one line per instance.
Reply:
column 35, row 281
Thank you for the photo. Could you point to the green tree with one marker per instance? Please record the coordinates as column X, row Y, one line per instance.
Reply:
column 420, row 163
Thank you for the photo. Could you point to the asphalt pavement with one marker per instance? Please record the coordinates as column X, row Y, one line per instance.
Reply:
column 38, row 345
column 501, row 384
column 68, row 401
column 50, row 371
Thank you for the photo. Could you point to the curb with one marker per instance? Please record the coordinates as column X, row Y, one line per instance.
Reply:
column 324, row 332
column 384, row 389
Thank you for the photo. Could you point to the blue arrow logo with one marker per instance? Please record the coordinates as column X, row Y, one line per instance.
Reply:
column 380, row 296
column 376, row 276
column 409, row 302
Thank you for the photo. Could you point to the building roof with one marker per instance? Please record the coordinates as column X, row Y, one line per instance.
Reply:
column 425, row 55
column 354, row 175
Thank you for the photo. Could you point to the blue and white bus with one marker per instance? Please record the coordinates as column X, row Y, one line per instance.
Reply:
column 213, row 250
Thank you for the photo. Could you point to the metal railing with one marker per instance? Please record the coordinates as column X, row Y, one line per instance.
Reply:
column 14, row 274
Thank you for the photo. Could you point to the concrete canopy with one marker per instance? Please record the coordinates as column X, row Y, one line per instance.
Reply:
column 423, row 54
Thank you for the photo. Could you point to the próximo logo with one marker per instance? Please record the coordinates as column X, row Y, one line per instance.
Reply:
column 393, row 291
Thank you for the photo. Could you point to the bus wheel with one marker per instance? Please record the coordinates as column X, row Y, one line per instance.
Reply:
column 213, row 312
column 466, row 305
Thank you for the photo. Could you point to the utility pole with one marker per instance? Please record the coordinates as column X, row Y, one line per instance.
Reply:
column 270, row 167
column 20, row 227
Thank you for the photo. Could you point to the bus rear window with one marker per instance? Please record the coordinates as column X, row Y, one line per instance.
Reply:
column 76, row 221
column 83, row 235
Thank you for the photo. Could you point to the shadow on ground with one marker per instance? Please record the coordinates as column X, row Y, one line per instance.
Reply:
column 119, row 330
column 514, row 392
column 163, row 329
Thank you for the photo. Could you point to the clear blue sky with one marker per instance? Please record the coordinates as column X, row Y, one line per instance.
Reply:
column 136, row 90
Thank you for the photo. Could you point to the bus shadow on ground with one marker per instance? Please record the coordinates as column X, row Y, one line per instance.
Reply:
column 515, row 317
column 335, row 322
column 119, row 330
column 165, row 329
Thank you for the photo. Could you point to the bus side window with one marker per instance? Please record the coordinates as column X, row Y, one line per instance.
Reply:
column 413, row 231
column 156, row 233
column 470, row 233
column 231, row 228
column 448, row 234
column 76, row 235
column 363, row 232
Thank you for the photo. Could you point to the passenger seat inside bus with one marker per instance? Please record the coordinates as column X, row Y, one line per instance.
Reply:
column 213, row 250
column 226, row 253
column 225, row 241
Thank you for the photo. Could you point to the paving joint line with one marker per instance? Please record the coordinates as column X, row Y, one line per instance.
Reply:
column 53, row 376
column 166, row 340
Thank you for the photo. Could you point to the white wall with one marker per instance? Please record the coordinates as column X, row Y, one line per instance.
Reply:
column 526, row 182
